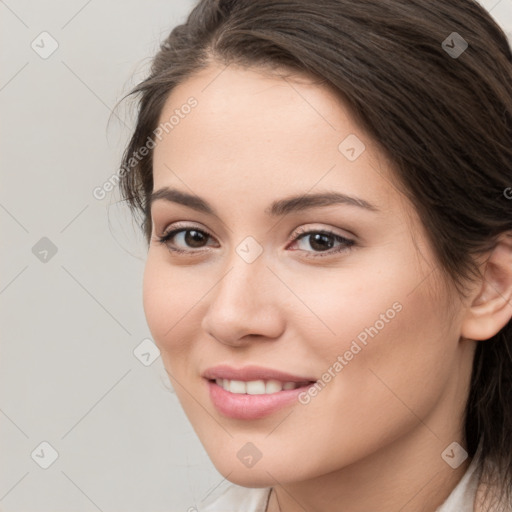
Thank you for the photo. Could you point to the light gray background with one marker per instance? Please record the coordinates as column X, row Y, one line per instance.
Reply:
column 70, row 324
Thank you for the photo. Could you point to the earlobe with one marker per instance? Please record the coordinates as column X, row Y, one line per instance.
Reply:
column 491, row 306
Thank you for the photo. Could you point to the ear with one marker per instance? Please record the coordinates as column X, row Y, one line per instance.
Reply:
column 491, row 305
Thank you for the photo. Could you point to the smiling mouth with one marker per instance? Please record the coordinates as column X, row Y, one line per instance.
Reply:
column 257, row 387
column 253, row 399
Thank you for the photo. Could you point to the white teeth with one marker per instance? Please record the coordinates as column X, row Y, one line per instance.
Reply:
column 237, row 386
column 273, row 386
column 255, row 387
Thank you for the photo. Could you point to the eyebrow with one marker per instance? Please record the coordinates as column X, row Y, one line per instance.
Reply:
column 278, row 208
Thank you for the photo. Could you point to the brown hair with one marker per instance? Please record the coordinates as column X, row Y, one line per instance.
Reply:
column 444, row 120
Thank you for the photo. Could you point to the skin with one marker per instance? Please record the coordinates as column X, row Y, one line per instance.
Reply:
column 372, row 438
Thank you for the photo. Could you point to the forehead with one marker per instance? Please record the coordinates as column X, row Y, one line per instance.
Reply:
column 254, row 131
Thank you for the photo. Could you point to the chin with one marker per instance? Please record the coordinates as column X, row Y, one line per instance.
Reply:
column 265, row 473
column 246, row 478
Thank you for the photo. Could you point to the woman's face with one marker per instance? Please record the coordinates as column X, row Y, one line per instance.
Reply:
column 341, row 289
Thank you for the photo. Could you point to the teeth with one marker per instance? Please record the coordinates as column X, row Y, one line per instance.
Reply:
column 273, row 386
column 255, row 387
column 237, row 386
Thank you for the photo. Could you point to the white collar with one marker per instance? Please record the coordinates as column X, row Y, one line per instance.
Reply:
column 462, row 497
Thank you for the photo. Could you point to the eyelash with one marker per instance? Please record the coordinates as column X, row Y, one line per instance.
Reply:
column 297, row 235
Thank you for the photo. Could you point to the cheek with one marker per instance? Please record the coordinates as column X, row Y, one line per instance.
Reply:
column 405, row 356
column 382, row 330
column 168, row 302
column 364, row 302
column 154, row 296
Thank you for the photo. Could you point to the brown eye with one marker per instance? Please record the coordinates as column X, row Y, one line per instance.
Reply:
column 323, row 241
column 187, row 238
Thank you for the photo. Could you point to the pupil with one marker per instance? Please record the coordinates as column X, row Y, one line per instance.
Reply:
column 191, row 240
column 321, row 237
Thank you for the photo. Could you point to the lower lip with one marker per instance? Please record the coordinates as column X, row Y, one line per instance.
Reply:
column 251, row 407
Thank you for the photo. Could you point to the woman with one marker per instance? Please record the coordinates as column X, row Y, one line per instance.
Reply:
column 324, row 187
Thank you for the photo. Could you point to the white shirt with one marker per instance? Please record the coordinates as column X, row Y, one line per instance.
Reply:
column 242, row 499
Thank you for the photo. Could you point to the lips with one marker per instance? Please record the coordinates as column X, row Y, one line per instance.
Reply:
column 252, row 392
column 250, row 373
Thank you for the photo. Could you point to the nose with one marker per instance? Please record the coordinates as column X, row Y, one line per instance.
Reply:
column 244, row 305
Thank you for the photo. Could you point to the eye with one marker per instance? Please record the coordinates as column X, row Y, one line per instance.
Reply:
column 191, row 235
column 321, row 241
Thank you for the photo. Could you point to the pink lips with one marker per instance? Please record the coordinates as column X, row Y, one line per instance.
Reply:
column 251, row 407
column 251, row 373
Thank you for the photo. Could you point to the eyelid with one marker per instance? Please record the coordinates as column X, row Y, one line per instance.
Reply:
column 183, row 225
column 293, row 235
column 308, row 228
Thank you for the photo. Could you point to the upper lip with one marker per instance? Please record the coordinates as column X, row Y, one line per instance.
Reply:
column 248, row 373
